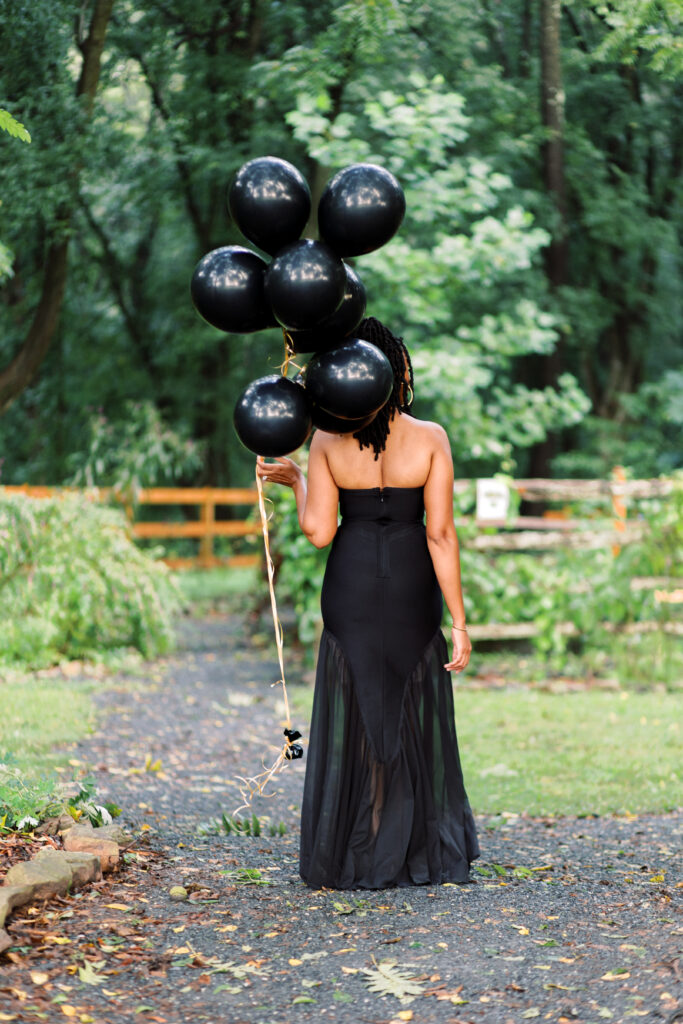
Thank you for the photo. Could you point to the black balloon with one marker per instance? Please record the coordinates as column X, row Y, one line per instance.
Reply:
column 323, row 420
column 304, row 284
column 361, row 208
column 273, row 416
column 351, row 381
column 333, row 329
column 227, row 289
column 270, row 202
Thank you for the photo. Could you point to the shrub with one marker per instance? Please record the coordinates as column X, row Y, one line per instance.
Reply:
column 73, row 583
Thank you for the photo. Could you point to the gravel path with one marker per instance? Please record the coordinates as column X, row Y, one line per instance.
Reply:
column 566, row 919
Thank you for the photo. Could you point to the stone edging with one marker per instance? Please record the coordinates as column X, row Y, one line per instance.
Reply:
column 87, row 852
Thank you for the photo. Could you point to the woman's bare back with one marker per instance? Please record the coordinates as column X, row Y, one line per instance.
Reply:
column 405, row 462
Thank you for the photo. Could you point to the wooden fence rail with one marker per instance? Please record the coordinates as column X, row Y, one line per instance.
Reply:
column 521, row 533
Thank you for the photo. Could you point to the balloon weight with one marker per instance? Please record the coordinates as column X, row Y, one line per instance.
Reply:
column 273, row 416
column 361, row 208
column 351, row 381
column 336, row 425
column 270, row 202
column 227, row 290
column 333, row 329
column 305, row 283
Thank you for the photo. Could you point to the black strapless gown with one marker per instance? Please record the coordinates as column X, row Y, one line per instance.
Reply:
column 384, row 802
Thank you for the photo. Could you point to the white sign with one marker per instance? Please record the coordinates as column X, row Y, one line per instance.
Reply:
column 493, row 499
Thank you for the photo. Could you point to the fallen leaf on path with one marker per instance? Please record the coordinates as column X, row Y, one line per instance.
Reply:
column 386, row 979
column 88, row 974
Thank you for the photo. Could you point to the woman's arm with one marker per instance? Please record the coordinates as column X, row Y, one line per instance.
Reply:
column 442, row 541
column 317, row 502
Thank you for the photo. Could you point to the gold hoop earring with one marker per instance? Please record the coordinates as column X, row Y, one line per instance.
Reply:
column 407, row 405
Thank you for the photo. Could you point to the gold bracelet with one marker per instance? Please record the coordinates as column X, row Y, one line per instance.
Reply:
column 463, row 629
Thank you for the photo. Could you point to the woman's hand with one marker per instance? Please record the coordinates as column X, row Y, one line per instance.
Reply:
column 281, row 471
column 462, row 648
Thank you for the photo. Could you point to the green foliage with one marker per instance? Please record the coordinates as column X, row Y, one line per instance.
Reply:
column 466, row 247
column 137, row 451
column 26, row 801
column 253, row 826
column 646, row 436
column 590, row 589
column 14, row 127
column 73, row 583
column 446, row 94
column 652, row 27
column 246, row 876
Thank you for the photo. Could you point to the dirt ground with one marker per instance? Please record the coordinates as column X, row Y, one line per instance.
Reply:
column 565, row 919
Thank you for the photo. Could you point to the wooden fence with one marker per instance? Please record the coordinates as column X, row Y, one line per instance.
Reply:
column 522, row 533
column 555, row 529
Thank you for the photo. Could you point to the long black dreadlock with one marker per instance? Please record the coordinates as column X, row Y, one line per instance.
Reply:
column 376, row 433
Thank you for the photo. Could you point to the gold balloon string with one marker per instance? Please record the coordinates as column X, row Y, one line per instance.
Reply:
column 255, row 785
column 279, row 633
column 289, row 352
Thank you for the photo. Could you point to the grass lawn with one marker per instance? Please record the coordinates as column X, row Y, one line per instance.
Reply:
column 39, row 716
column 214, row 588
column 573, row 753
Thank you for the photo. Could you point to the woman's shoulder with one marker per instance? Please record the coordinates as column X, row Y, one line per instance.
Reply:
column 429, row 432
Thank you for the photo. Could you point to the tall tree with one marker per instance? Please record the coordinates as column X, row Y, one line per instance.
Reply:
column 546, row 369
column 20, row 371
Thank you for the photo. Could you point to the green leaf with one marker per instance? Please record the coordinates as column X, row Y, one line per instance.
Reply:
column 343, row 907
column 14, row 127
column 342, row 997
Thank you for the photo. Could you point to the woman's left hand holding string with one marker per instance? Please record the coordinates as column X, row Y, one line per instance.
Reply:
column 281, row 471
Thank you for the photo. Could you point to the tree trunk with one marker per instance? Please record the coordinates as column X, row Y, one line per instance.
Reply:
column 25, row 364
column 548, row 368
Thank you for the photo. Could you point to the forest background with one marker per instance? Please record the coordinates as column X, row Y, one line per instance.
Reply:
column 536, row 278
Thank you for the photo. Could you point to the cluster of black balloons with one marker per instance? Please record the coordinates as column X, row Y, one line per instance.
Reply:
column 306, row 289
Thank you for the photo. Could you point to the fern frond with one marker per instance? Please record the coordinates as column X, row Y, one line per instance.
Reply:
column 14, row 127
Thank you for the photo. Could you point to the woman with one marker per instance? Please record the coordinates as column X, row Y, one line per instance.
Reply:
column 384, row 802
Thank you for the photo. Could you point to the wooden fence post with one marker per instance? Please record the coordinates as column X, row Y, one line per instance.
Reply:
column 207, row 515
column 618, row 506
